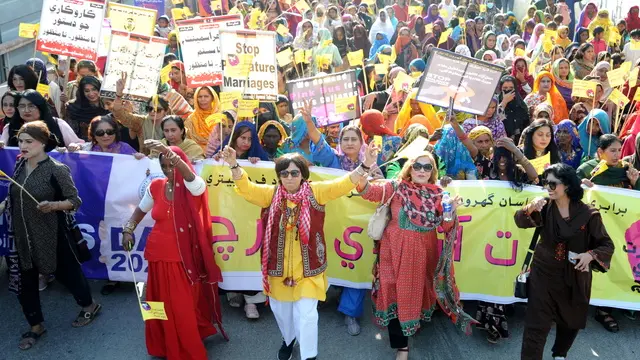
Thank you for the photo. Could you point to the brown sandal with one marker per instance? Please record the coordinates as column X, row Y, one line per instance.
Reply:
column 29, row 339
column 85, row 317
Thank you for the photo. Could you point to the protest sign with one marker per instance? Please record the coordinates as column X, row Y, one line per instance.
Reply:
column 43, row 89
column 284, row 57
column 113, row 192
column 584, row 88
column 618, row 98
column 132, row 19
column 541, row 163
column 324, row 92
column 403, row 82
column 229, row 100
column 157, row 5
column 356, row 58
column 415, row 10
column 200, row 45
column 139, row 56
column 633, row 77
column 29, row 31
column 71, row 28
column 261, row 83
column 616, row 77
column 469, row 81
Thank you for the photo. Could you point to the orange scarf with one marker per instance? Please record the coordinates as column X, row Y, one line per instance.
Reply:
column 554, row 98
column 199, row 129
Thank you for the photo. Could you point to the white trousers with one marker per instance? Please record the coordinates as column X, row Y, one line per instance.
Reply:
column 298, row 320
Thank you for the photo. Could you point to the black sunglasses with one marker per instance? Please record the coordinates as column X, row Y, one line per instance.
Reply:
column 101, row 132
column 418, row 166
column 285, row 173
column 551, row 184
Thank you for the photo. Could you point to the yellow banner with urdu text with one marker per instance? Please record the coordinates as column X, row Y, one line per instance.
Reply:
column 488, row 255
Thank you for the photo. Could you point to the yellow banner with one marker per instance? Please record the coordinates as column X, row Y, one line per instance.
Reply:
column 132, row 18
column 616, row 77
column 29, row 31
column 584, row 88
column 489, row 245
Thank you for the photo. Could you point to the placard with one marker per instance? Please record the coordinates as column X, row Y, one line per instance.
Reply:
column 141, row 57
column 331, row 97
column 71, row 28
column 200, row 45
column 261, row 83
column 471, row 82
column 132, row 19
column 584, row 88
column 29, row 31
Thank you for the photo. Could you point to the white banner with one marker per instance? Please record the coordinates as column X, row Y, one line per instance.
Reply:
column 71, row 28
column 249, row 63
column 200, row 46
column 140, row 57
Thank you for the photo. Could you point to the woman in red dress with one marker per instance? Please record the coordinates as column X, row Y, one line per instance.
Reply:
column 182, row 270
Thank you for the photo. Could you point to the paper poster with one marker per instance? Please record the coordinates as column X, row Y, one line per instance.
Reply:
column 618, row 98
column 153, row 310
column 616, row 77
column 282, row 30
column 71, row 28
column 403, row 82
column 200, row 45
column 415, row 148
column 29, row 31
column 139, row 56
column 415, row 10
column 285, row 57
column 469, row 81
column 43, row 89
column 541, row 163
column 584, row 88
column 132, row 19
column 105, row 38
column 248, row 108
column 302, row 6
column 157, row 5
column 325, row 93
column 261, row 83
column 302, row 56
column 633, row 77
column 356, row 58
column 381, row 69
column 635, row 45
column 229, row 100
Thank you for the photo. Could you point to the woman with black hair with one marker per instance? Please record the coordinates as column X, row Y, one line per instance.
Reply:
column 515, row 110
column 176, row 135
column 537, row 140
column 32, row 106
column 22, row 77
column 40, row 237
column 87, row 105
column 618, row 173
column 40, row 69
column 573, row 242
column 9, row 102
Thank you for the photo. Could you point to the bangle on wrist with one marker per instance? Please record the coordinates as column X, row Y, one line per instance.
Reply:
column 463, row 137
column 365, row 167
column 234, row 166
column 129, row 227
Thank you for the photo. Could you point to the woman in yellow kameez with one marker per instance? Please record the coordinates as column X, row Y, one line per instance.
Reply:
column 206, row 103
column 412, row 107
column 294, row 252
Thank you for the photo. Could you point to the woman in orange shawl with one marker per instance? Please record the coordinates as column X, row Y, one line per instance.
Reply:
column 547, row 93
column 206, row 103
column 412, row 107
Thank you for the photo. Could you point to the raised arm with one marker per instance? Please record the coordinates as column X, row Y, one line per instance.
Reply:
column 468, row 143
column 314, row 134
column 531, row 214
column 257, row 194
column 508, row 144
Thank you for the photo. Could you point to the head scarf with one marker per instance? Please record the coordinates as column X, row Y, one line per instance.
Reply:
column 543, row 107
column 454, row 155
column 381, row 27
column 632, row 142
column 256, row 149
column 555, row 70
column 605, row 128
column 413, row 131
column 417, row 119
column 491, row 54
column 633, row 21
column 199, row 116
column 501, row 39
column 485, row 48
column 432, row 18
column 372, row 123
column 463, row 50
column 402, row 40
column 180, row 65
column 342, row 45
column 277, row 125
column 553, row 97
column 630, row 129
column 45, row 115
column 420, row 29
column 377, row 44
column 512, row 22
column 584, row 20
column 394, row 20
column 571, row 127
column 404, row 115
column 299, row 130
column 533, row 42
column 539, row 16
column 605, row 22
column 480, row 130
column 79, row 109
column 361, row 42
column 517, row 100
column 579, row 31
column 419, row 64
column 40, row 69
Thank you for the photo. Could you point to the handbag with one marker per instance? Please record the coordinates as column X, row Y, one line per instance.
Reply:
column 380, row 218
column 521, row 290
column 69, row 226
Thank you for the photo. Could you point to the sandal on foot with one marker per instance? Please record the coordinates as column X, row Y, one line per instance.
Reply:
column 403, row 350
column 85, row 317
column 29, row 339
column 109, row 288
column 608, row 321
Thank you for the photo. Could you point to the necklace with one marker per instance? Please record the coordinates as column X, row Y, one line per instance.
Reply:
column 292, row 221
column 539, row 153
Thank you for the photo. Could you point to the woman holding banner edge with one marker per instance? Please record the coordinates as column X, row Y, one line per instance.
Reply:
column 293, row 211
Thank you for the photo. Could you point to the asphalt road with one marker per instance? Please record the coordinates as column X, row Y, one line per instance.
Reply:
column 118, row 333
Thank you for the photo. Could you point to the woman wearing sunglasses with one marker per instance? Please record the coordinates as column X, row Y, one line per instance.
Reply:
column 105, row 137
column 404, row 291
column 294, row 256
column 573, row 242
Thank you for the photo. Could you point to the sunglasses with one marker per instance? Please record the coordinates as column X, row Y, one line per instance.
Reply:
column 152, row 109
column 101, row 132
column 285, row 173
column 418, row 166
column 551, row 184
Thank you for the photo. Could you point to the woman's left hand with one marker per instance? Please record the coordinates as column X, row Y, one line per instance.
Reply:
column 583, row 261
column 633, row 175
column 48, row 206
column 507, row 143
column 254, row 160
column 457, row 200
column 156, row 145
column 74, row 147
column 371, row 155
column 306, row 112
column 139, row 156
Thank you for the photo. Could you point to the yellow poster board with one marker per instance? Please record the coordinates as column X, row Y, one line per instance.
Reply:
column 248, row 108
column 618, row 98
column 616, row 77
column 29, row 31
column 344, row 105
column 153, row 310
column 356, row 58
column 229, row 100
column 541, row 163
column 584, row 88
column 133, row 19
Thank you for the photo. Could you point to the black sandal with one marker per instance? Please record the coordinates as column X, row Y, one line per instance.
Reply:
column 30, row 338
column 85, row 317
column 109, row 288
column 608, row 321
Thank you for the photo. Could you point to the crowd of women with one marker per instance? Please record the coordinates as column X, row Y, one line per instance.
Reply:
column 533, row 114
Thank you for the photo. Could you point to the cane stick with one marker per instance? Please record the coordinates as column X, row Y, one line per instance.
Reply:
column 4, row 175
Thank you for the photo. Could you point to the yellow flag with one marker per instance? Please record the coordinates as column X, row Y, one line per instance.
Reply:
column 614, row 37
column 519, row 52
column 372, row 81
column 285, row 57
column 444, row 36
column 635, row 45
column 599, row 169
column 381, row 69
column 299, row 57
column 164, row 74
column 428, row 29
column 344, row 105
column 235, row 10
column 637, row 97
column 403, row 82
column 415, row 10
column 633, row 77
column 626, row 66
column 214, row 119
column 229, row 100
column 178, row 14
column 238, row 65
column 324, row 61
column 616, row 77
column 302, row 6
column 415, row 148
column 356, row 58
column 384, row 59
column 584, row 88
column 188, row 12
column 444, row 12
column 216, row 5
column 153, row 310
column 248, row 108
column 617, row 97
column 43, row 89
column 29, row 31
column 254, row 19
column 541, row 163
column 282, row 30
column 483, row 8
column 532, row 67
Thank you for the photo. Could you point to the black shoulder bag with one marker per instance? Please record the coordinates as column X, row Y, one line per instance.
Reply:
column 67, row 223
column 522, row 283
